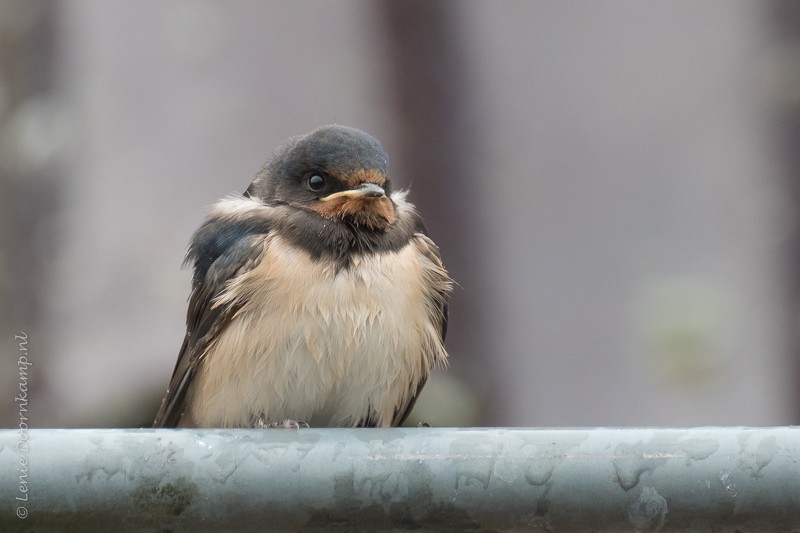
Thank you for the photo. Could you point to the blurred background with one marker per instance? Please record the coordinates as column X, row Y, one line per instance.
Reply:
column 613, row 185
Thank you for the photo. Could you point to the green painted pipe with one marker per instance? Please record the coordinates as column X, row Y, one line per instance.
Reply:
column 428, row 479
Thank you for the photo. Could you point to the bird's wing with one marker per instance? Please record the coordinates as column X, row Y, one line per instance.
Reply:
column 221, row 250
column 440, row 286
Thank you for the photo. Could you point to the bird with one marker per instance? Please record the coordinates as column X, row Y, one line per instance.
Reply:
column 317, row 297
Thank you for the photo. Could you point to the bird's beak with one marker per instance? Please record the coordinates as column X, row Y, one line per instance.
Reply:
column 366, row 190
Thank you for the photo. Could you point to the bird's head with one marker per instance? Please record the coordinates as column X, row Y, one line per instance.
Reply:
column 337, row 172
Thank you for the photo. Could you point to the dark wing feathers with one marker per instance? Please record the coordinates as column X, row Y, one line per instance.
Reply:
column 439, row 302
column 220, row 251
column 217, row 236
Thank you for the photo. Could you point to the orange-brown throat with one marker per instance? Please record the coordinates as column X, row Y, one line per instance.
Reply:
column 371, row 213
column 363, row 210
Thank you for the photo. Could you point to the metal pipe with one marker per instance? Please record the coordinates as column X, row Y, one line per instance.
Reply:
column 434, row 479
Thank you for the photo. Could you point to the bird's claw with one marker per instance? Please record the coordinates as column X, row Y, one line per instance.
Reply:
column 286, row 424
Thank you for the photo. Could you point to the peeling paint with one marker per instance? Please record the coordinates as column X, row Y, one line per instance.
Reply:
column 767, row 449
column 649, row 512
column 631, row 463
column 727, row 483
column 172, row 498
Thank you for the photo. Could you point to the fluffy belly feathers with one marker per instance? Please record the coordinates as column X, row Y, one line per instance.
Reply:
column 328, row 347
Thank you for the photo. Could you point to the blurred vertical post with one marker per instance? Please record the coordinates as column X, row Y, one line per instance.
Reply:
column 434, row 110
column 784, row 61
column 27, row 196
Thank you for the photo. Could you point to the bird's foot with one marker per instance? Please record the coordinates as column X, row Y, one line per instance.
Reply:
column 286, row 424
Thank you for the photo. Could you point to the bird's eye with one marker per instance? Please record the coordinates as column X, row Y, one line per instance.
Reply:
column 316, row 182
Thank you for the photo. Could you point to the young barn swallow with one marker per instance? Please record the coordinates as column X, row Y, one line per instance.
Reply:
column 316, row 296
